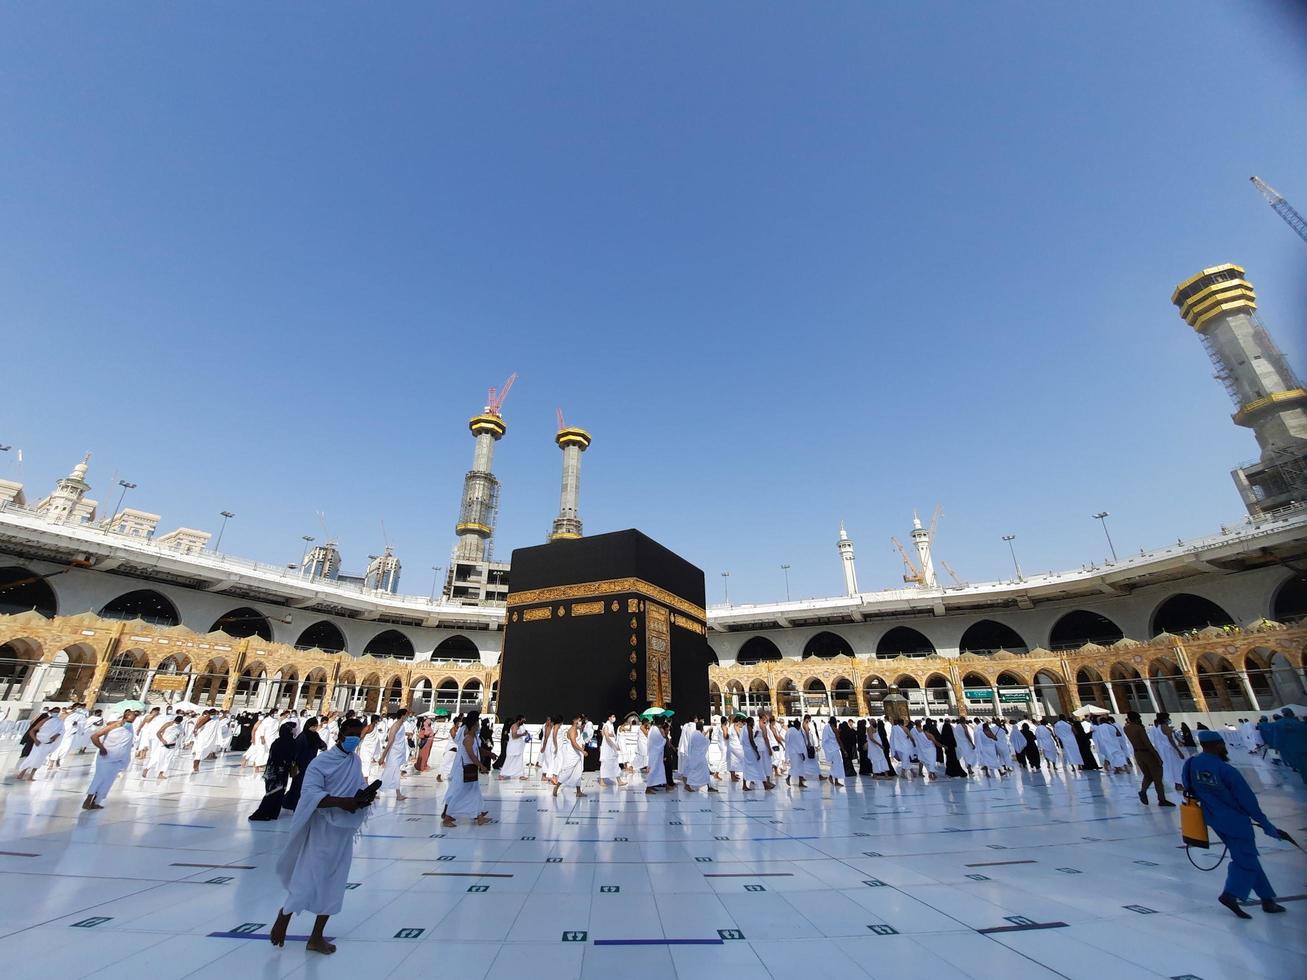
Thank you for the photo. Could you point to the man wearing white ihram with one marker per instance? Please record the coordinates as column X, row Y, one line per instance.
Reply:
column 463, row 798
column 113, row 743
column 830, row 747
column 694, row 766
column 44, row 741
column 394, row 755
column 314, row 868
column 609, row 753
column 515, row 754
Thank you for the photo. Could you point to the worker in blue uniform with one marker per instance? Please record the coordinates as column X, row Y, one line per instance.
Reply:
column 1289, row 736
column 1231, row 809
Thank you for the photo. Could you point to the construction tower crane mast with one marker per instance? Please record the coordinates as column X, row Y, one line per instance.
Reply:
column 1282, row 207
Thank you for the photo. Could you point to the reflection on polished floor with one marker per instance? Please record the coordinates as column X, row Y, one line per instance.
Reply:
column 1028, row 876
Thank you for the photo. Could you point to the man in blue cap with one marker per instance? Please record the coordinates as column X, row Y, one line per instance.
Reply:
column 1230, row 809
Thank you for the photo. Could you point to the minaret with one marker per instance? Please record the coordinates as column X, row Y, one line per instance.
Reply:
column 846, row 559
column 476, row 515
column 573, row 442
column 921, row 538
column 1221, row 305
column 63, row 503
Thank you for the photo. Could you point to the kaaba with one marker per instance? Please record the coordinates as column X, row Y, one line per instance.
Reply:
column 614, row 622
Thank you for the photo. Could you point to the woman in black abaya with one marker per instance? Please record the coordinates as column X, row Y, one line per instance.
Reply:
column 948, row 738
column 276, row 774
column 307, row 746
column 864, row 763
column 1086, row 745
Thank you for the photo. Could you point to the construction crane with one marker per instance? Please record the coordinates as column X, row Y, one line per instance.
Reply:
column 912, row 573
column 934, row 521
column 561, row 425
column 495, row 399
column 949, row 568
column 1282, row 207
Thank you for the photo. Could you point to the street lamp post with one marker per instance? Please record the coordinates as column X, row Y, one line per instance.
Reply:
column 226, row 515
column 308, row 540
column 786, row 570
column 1102, row 516
column 119, row 506
column 726, row 586
column 434, row 579
column 1009, row 538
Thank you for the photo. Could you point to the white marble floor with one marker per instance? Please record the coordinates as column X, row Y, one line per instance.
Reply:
column 1028, row 876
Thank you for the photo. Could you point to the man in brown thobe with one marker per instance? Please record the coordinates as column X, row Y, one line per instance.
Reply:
column 1146, row 757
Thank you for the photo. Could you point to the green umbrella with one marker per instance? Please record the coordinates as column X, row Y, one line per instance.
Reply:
column 650, row 713
column 128, row 705
column 441, row 712
column 740, row 716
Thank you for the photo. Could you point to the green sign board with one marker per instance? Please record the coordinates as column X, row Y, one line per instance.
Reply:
column 979, row 694
column 1013, row 697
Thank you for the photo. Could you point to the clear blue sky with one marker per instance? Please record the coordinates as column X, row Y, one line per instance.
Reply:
column 790, row 264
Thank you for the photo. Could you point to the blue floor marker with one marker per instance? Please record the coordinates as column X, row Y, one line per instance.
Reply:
column 659, row 942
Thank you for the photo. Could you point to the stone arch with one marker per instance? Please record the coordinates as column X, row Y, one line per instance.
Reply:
column 251, row 687
column 312, row 691
column 757, row 649
column 1273, row 678
column 1051, row 692
column 286, row 688
column 826, row 645
column 1185, row 612
column 1010, row 678
column 1092, row 689
column 78, row 662
column 125, row 677
column 22, row 589
column 939, row 694
column 390, row 644
column 974, row 679
column 1221, row 684
column 323, row 635
column 1289, row 604
column 1131, row 690
column 904, row 641
column 1170, row 686
column 370, row 693
column 788, row 699
column 18, row 660
column 758, row 695
column 393, row 693
column 713, row 659
column 144, row 604
column 844, row 697
column 422, row 695
column 986, row 636
column 1080, row 626
column 469, row 696
column 242, row 622
column 344, row 691
column 447, row 693
column 874, row 691
column 211, row 683
column 457, row 647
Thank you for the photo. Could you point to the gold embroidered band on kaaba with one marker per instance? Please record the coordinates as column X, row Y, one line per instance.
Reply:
column 588, row 590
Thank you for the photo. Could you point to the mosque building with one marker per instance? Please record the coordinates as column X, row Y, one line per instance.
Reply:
column 99, row 608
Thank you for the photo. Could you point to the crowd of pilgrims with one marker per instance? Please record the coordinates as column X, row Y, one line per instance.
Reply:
column 754, row 750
